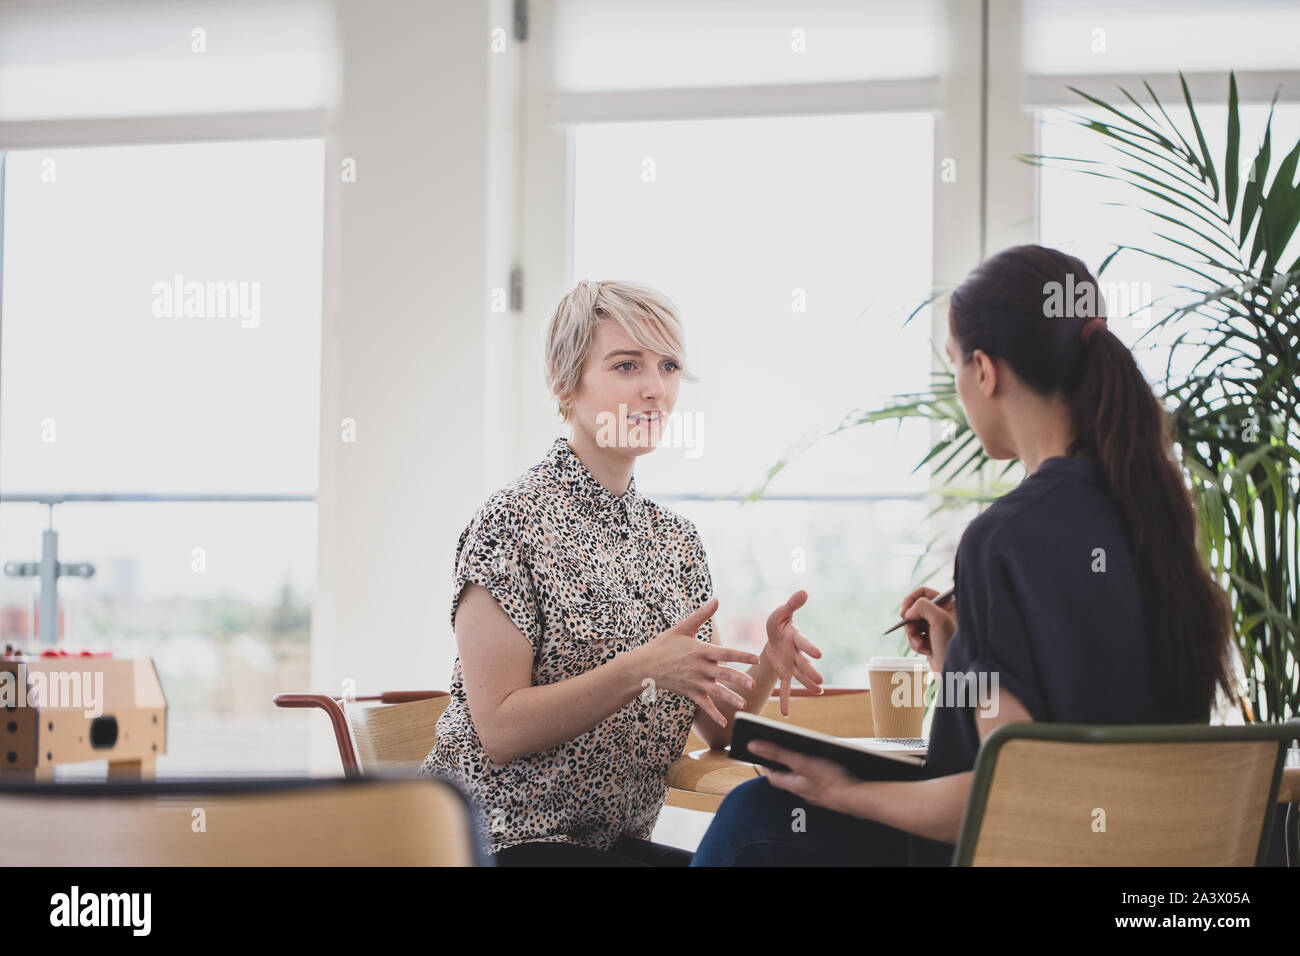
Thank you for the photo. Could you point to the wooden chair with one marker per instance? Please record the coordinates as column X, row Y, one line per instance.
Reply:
column 378, row 821
column 702, row 778
column 1290, row 795
column 391, row 732
column 1136, row 795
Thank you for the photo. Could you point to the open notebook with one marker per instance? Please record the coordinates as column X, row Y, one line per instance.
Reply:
column 870, row 758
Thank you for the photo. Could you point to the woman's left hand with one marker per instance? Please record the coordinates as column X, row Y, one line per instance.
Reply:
column 820, row 782
column 786, row 649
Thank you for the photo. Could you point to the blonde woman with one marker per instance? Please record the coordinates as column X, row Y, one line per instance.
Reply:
column 583, row 614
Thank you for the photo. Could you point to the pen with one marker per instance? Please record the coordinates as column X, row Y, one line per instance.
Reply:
column 940, row 599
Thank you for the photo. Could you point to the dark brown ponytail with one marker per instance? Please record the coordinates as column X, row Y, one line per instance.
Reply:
column 1030, row 305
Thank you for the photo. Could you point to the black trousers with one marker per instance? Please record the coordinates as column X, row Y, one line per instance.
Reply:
column 628, row 851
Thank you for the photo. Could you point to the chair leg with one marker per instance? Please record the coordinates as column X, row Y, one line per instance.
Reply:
column 1293, row 834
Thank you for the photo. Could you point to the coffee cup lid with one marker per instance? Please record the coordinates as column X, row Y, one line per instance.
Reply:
column 896, row 663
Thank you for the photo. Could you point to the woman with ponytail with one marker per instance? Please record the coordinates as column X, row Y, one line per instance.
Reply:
column 1081, row 595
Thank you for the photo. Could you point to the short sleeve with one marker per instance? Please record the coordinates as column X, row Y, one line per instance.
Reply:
column 1003, row 643
column 697, row 583
column 492, row 553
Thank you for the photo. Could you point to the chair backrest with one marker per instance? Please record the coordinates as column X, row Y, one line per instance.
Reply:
column 1133, row 795
column 839, row 711
column 268, row 822
column 393, row 738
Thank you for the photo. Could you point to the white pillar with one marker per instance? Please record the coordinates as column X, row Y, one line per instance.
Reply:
column 408, row 353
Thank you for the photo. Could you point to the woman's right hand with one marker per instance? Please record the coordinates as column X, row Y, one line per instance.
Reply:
column 930, row 627
column 678, row 661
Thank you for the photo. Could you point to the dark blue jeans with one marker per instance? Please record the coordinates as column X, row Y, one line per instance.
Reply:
column 755, row 826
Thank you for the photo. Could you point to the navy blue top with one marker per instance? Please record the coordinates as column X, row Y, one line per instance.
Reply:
column 1048, row 601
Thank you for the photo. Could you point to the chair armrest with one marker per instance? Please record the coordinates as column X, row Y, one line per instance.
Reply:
column 709, row 771
column 342, row 736
column 407, row 696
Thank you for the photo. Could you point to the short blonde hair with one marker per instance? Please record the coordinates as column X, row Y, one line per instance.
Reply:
column 647, row 316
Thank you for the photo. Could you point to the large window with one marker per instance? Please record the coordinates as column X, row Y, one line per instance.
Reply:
column 1155, row 37
column 161, row 337
column 692, row 44
column 73, row 59
column 794, row 271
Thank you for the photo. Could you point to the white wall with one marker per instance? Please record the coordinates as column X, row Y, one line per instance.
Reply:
column 412, row 250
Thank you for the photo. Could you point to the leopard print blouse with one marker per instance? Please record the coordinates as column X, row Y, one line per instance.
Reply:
column 585, row 575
